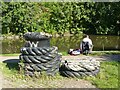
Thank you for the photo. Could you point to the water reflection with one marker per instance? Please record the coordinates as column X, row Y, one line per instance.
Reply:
column 12, row 45
column 106, row 42
column 100, row 42
column 65, row 43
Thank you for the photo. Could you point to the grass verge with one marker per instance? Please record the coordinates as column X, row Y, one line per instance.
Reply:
column 108, row 76
column 16, row 79
column 98, row 53
column 15, row 54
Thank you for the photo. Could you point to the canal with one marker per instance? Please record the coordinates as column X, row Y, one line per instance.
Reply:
column 101, row 43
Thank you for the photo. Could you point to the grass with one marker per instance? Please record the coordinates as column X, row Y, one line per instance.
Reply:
column 15, row 54
column 107, row 77
column 64, row 53
column 18, row 80
column 98, row 53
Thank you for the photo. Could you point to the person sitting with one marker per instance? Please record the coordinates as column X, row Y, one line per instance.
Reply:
column 86, row 45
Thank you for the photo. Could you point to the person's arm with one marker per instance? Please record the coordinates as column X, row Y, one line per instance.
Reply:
column 81, row 46
column 90, row 42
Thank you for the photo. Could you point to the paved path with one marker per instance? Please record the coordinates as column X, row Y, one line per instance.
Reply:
column 99, row 58
column 11, row 59
column 7, row 59
column 1, row 80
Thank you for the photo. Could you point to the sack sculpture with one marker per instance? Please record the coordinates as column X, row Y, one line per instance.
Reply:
column 38, row 56
column 80, row 68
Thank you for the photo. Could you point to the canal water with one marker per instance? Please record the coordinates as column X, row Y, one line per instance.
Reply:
column 101, row 43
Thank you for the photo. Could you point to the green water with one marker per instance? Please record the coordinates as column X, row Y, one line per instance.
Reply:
column 101, row 43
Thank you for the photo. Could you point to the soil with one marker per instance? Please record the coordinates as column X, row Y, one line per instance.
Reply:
column 67, row 83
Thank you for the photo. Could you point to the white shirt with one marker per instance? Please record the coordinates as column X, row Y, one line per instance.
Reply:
column 87, row 40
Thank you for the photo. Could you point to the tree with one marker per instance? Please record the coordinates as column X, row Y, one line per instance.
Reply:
column 21, row 17
column 59, row 17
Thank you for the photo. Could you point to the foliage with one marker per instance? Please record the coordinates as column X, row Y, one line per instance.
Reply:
column 106, row 19
column 59, row 17
column 69, row 17
column 21, row 17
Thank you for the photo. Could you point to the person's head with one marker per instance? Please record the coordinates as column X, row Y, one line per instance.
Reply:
column 86, row 36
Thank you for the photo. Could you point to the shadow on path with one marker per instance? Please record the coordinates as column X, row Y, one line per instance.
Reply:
column 12, row 63
column 99, row 58
column 108, row 58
